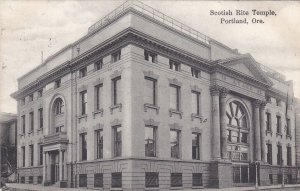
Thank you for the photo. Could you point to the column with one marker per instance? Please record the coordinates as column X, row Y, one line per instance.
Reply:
column 263, row 132
column 257, row 145
column 223, row 95
column 60, row 165
column 215, row 92
column 44, row 167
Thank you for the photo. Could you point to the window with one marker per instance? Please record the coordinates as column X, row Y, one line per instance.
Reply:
column 151, row 180
column 31, row 97
column 22, row 179
column 83, row 146
column 271, row 178
column 98, row 64
column 116, row 83
column 195, row 73
column 268, row 99
column 59, row 129
column 99, row 143
column 117, row 133
column 278, row 119
column 31, row 154
column 150, row 141
column 197, row 179
column 279, row 155
column 279, row 178
column 268, row 123
column 41, row 155
column 30, row 180
column 175, row 97
column 40, row 179
column 98, row 96
column 40, row 93
column 23, row 124
column 41, row 118
column 195, row 102
column 23, row 156
column 83, row 100
column 289, row 156
column 98, row 180
column 174, row 65
column 269, row 153
column 176, row 179
column 59, row 106
column 116, row 56
column 149, row 56
column 196, row 146
column 278, row 102
column 174, row 142
column 116, row 180
column 82, row 72
column 150, row 91
column 82, row 180
column 31, row 117
column 288, row 127
column 57, row 83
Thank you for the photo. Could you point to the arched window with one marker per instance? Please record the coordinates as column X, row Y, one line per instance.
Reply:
column 58, row 106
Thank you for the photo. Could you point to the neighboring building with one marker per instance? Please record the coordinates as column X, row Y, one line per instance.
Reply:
column 145, row 101
column 8, row 145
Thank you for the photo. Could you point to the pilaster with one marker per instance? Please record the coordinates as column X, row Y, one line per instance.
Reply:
column 216, row 146
column 257, row 145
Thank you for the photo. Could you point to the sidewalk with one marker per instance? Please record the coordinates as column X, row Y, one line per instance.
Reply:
column 30, row 187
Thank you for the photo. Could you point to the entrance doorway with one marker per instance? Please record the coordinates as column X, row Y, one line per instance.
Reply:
column 54, row 172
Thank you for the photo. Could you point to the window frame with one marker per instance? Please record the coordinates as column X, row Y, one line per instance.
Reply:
column 98, row 65
column 154, row 176
column 99, row 143
column 31, row 154
column 178, row 97
column 279, row 155
column 268, row 121
column 41, row 154
column 83, row 102
column 23, row 124
column 98, row 97
column 82, row 183
column 98, row 183
column 154, row 134
column 41, row 118
column 289, row 156
column 83, row 145
column 31, row 119
column 278, row 124
column 154, row 90
column 82, row 72
column 117, row 144
column 178, row 148
column 175, row 66
column 115, row 91
column 195, row 72
column 198, row 147
column 195, row 179
column 57, row 83
column 269, row 153
column 116, row 176
column 198, row 102
column 116, row 56
column 23, row 155
column 148, row 55
column 178, row 180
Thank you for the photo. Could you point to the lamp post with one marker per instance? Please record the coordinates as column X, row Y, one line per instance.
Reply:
column 256, row 175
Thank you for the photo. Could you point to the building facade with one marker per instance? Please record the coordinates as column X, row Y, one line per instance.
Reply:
column 143, row 101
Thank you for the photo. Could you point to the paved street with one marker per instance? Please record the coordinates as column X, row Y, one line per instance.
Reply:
column 30, row 187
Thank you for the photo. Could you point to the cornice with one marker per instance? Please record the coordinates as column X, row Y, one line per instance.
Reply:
column 276, row 94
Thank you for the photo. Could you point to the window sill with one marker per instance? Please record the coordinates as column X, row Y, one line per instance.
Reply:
column 269, row 132
column 176, row 188
column 279, row 134
column 196, row 116
column 116, row 189
column 289, row 137
column 119, row 105
column 151, row 188
column 173, row 111
column 197, row 187
column 99, row 111
column 151, row 106
column 82, row 117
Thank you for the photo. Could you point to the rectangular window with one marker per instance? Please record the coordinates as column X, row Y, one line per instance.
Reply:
column 197, row 179
column 229, row 135
column 30, row 179
column 98, row 96
column 98, row 64
column 150, row 141
column 116, row 86
column 59, row 129
column 195, row 73
column 269, row 153
column 174, row 142
column 99, row 143
column 149, row 56
column 175, row 97
column 31, row 118
column 268, row 123
column 83, row 99
column 41, row 121
column 278, row 119
column 31, row 97
column 31, row 154
column 279, row 155
column 288, row 127
column 244, row 137
column 117, row 133
column 174, row 65
column 116, row 56
column 82, row 72
column 82, row 180
column 57, row 83
column 98, row 180
column 289, row 156
column 23, row 156
column 150, row 91
column 176, row 179
column 196, row 102
column 40, row 93
column 196, row 146
column 23, row 124
column 278, row 102
column 279, row 178
column 116, row 180
column 83, row 146
column 151, row 179
column 271, row 178
column 40, row 179
column 41, row 155
column 22, row 180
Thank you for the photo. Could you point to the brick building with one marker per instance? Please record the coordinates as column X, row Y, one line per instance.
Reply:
column 143, row 100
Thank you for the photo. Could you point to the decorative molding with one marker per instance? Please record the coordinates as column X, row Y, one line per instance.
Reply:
column 195, row 116
column 82, row 117
column 116, row 74
column 278, row 143
column 196, row 88
column 223, row 92
column 99, row 111
column 98, row 81
column 151, row 122
column 173, row 111
column 269, row 132
column 175, row 126
column 196, row 130
column 82, row 88
column 82, row 130
column 214, row 90
column 256, row 103
column 150, row 106
column 115, row 107
column 150, row 74
column 268, row 141
column 98, row 126
column 174, row 81
column 116, row 122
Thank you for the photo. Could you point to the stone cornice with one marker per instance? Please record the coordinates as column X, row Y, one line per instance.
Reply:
column 276, row 94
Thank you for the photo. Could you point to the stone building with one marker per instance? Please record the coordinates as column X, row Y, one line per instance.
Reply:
column 144, row 101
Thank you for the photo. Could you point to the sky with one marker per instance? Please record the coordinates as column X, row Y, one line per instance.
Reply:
column 30, row 27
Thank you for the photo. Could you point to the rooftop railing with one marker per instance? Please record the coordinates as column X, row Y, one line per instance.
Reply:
column 149, row 11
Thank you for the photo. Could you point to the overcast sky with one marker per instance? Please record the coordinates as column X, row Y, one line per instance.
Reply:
column 29, row 27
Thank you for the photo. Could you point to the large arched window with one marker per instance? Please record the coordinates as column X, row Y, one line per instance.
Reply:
column 237, row 131
column 58, row 106
column 57, row 116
